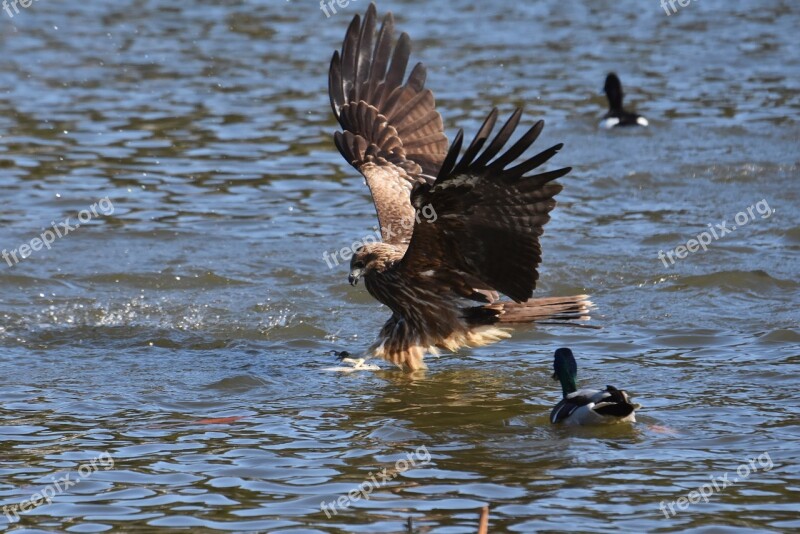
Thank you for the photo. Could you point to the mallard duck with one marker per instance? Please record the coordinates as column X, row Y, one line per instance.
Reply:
column 587, row 406
column 617, row 116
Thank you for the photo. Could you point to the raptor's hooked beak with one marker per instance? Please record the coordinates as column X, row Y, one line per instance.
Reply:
column 355, row 274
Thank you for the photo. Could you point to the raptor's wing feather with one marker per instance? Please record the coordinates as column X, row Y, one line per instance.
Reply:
column 489, row 213
column 392, row 132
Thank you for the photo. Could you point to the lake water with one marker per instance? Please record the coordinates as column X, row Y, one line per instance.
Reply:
column 178, row 338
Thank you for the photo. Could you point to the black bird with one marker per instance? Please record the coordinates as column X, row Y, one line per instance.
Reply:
column 616, row 115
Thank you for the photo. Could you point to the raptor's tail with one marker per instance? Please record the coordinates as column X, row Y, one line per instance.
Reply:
column 551, row 310
column 566, row 311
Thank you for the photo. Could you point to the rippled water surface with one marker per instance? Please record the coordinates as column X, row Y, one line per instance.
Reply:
column 182, row 338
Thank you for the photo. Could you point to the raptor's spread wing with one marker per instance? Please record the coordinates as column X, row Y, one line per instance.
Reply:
column 392, row 132
column 489, row 214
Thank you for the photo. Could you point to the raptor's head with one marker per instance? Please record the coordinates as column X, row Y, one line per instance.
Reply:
column 370, row 258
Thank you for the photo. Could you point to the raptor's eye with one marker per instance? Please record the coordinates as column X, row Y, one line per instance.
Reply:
column 359, row 265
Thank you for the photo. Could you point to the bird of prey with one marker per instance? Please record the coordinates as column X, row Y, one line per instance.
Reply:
column 617, row 115
column 441, row 275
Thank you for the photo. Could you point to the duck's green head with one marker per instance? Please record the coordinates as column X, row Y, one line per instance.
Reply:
column 566, row 370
